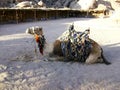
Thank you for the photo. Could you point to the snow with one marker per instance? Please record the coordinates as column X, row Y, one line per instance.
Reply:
column 23, row 69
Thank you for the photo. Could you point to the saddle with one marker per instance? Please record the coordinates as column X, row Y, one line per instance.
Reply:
column 76, row 45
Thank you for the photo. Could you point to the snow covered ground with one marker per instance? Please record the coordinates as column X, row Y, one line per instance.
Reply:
column 23, row 69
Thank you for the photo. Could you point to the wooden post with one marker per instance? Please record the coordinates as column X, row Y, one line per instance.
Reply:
column 35, row 15
column 2, row 16
column 46, row 15
column 56, row 12
column 17, row 17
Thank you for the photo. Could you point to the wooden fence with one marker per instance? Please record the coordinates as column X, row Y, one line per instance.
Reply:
column 25, row 15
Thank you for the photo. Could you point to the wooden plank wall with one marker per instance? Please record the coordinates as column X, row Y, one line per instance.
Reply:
column 26, row 15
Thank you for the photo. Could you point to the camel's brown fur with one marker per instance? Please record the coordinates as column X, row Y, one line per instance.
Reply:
column 96, row 54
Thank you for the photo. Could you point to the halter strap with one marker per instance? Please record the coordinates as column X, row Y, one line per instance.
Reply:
column 41, row 42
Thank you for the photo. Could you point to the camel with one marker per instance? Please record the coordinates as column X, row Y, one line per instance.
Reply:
column 81, row 49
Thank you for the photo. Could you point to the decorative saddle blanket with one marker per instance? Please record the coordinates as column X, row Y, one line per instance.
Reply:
column 75, row 45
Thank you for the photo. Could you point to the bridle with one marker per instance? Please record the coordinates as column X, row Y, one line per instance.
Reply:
column 39, row 37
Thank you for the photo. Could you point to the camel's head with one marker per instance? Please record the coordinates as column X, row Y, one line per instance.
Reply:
column 34, row 30
column 39, row 37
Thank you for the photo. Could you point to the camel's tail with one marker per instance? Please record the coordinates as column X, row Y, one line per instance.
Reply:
column 104, row 59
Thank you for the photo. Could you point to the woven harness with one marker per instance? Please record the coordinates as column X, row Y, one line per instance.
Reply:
column 41, row 44
column 76, row 45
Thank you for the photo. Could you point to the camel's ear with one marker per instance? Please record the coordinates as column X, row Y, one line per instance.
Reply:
column 27, row 31
column 41, row 31
column 57, row 48
column 30, row 30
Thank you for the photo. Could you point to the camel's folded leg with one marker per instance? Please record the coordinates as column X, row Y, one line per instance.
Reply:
column 95, row 54
column 93, row 58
